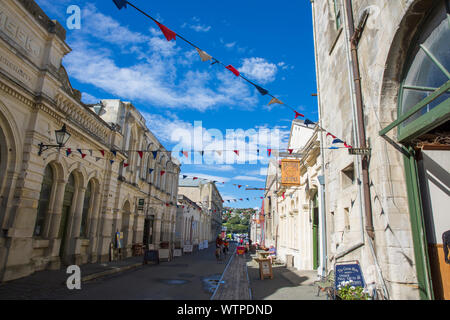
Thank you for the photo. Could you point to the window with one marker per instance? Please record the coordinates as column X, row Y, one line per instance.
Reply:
column 427, row 72
column 86, row 206
column 337, row 13
column 44, row 200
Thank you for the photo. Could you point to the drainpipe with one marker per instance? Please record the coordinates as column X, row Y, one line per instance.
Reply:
column 360, row 117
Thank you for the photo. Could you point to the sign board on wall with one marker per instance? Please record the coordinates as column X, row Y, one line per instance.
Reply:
column 290, row 172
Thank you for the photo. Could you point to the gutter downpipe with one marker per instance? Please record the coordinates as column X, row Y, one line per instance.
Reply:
column 321, row 178
column 360, row 118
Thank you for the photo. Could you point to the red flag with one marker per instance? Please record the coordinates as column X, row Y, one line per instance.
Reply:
column 102, row 152
column 236, row 151
column 283, row 194
column 233, row 69
column 333, row 136
column 83, row 155
column 140, row 154
column 290, row 151
column 347, row 146
column 239, row 186
column 162, row 172
column 195, row 178
column 269, row 151
column 185, row 153
column 126, row 165
column 169, row 34
column 298, row 115
column 167, row 204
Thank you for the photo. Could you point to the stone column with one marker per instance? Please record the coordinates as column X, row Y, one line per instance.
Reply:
column 93, row 226
column 157, row 231
column 55, row 224
column 74, row 234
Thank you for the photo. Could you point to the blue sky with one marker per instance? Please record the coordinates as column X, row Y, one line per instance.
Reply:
column 123, row 55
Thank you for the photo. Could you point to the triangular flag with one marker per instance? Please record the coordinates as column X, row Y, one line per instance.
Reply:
column 219, row 152
column 185, row 153
column 347, row 146
column 97, row 158
column 203, row 55
column 114, row 152
column 90, row 151
column 283, row 195
column 275, row 100
column 195, row 178
column 125, row 165
column 83, row 155
column 239, row 186
column 269, row 151
column 332, row 135
column 140, row 153
column 236, row 151
column 162, row 172
column 68, row 151
column 79, row 150
column 233, row 69
column 155, row 154
column 261, row 90
column 112, row 161
column 290, row 151
column 102, row 152
column 308, row 122
column 298, row 115
column 169, row 34
column 184, row 177
column 120, row 4
column 150, row 170
column 337, row 141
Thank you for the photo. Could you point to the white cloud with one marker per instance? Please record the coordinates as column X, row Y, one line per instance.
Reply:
column 259, row 69
column 88, row 98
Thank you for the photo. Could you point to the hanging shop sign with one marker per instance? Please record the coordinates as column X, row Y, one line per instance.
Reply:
column 141, row 203
column 290, row 172
column 359, row 151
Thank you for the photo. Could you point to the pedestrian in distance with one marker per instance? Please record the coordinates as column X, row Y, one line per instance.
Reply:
column 219, row 243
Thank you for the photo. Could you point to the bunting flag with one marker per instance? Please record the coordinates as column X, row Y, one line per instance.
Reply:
column 79, row 150
column 155, row 154
column 162, row 172
column 169, row 34
column 269, row 151
column 347, row 146
column 125, row 165
column 233, row 69
column 219, row 153
column 333, row 148
column 261, row 90
column 275, row 100
column 114, row 152
column 239, row 186
column 236, row 151
column 112, row 161
column 97, row 158
column 195, row 178
column 203, row 55
column 141, row 154
column 337, row 141
column 102, row 152
column 186, row 154
column 333, row 136
column 290, row 151
column 83, row 155
column 297, row 114
column 308, row 122
column 184, row 177
column 90, row 151
column 120, row 4
column 283, row 195
column 150, row 171
column 68, row 151
column 257, row 152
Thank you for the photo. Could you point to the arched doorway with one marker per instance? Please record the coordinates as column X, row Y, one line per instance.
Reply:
column 69, row 193
column 127, row 227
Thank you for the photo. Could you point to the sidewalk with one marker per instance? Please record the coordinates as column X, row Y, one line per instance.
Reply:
column 38, row 284
column 287, row 284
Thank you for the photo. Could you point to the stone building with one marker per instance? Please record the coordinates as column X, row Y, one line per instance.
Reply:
column 383, row 80
column 207, row 196
column 193, row 224
column 64, row 206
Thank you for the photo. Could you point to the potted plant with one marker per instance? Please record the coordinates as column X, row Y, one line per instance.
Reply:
column 347, row 291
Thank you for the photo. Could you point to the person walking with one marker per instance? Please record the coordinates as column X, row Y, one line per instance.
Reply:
column 219, row 243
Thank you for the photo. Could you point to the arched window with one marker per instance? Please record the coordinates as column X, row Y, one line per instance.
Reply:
column 44, row 200
column 425, row 88
column 86, row 207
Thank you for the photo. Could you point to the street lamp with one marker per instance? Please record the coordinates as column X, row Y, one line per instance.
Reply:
column 62, row 136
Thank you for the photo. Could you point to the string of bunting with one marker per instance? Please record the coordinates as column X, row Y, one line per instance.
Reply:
column 204, row 56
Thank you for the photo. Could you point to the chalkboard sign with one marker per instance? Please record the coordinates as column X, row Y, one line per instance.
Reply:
column 347, row 272
column 164, row 254
column 151, row 255
column 187, row 248
column 177, row 253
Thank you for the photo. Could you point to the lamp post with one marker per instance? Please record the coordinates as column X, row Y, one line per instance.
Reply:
column 62, row 136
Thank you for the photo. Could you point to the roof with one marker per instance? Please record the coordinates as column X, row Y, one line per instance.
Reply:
column 189, row 182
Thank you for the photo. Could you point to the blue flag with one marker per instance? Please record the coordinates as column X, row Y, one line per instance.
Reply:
column 308, row 122
column 120, row 4
column 150, row 170
column 155, row 153
column 337, row 141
